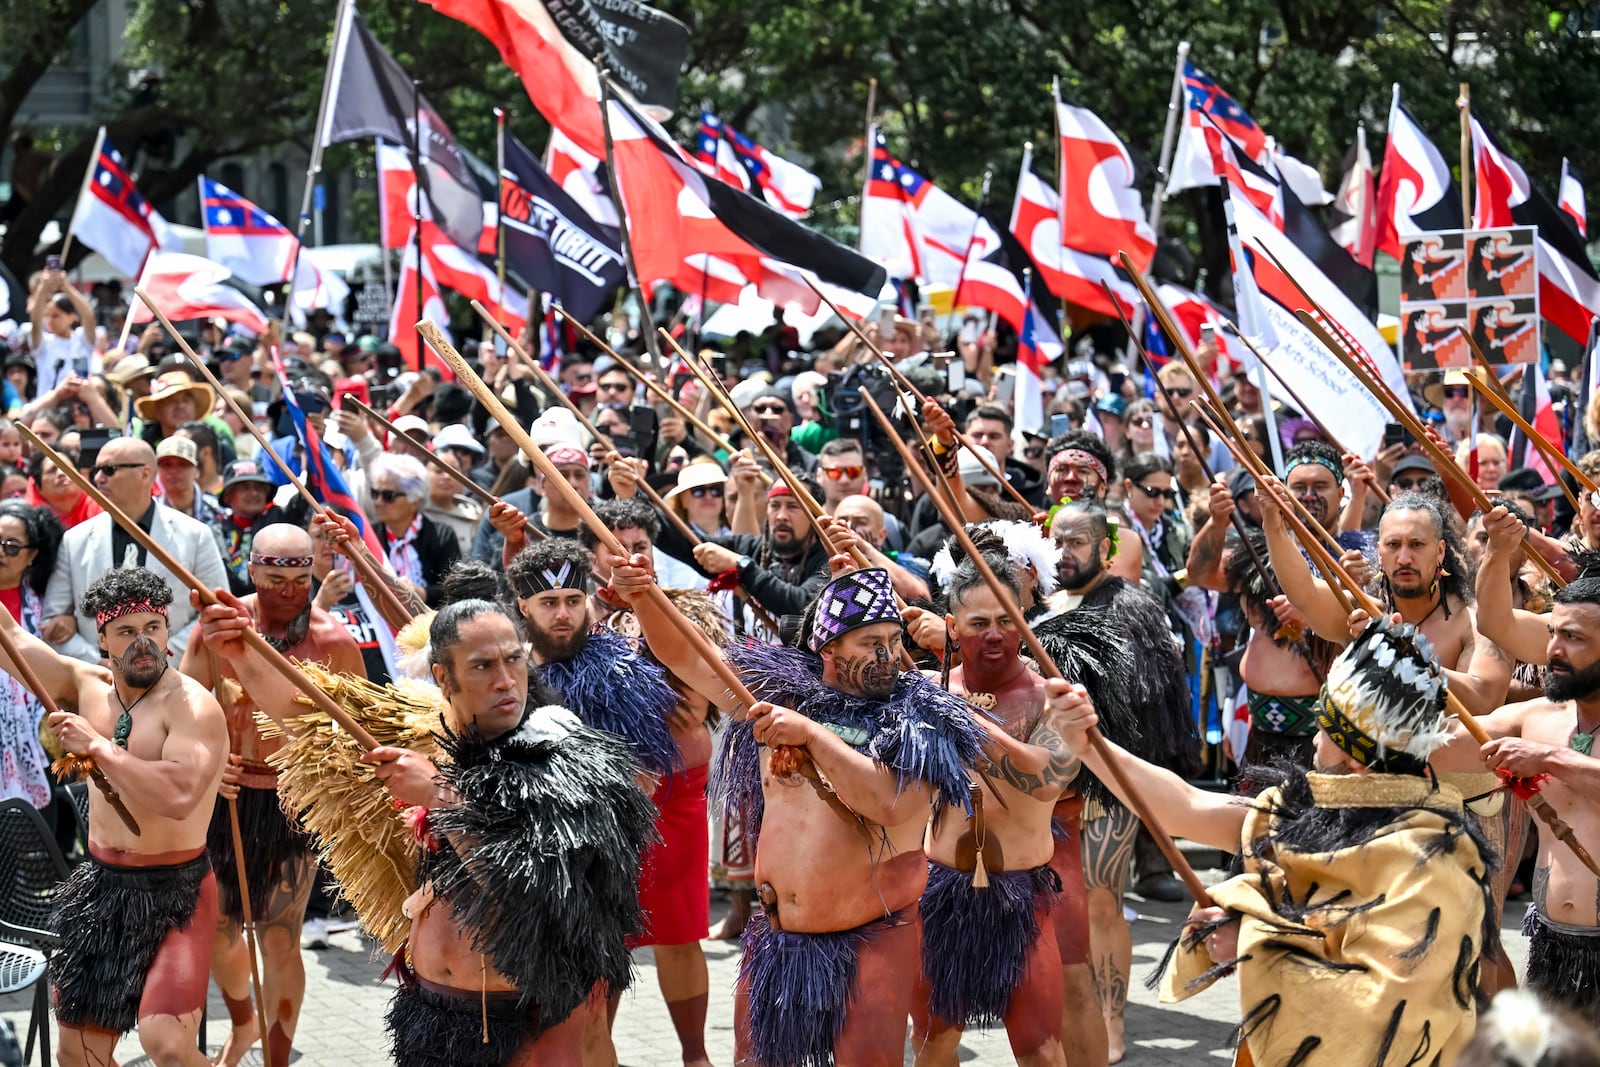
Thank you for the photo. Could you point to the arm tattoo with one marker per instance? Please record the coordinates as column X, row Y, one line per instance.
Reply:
column 1060, row 771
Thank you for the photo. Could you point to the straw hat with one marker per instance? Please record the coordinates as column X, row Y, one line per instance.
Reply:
column 1433, row 392
column 169, row 385
column 695, row 475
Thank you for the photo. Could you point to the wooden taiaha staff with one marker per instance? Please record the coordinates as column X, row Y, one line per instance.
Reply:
column 246, row 910
column 1534, row 799
column 897, row 375
column 30, row 679
column 483, row 495
column 370, row 577
column 1492, row 388
column 274, row 659
column 654, row 387
column 779, row 464
column 1047, row 666
column 1202, row 456
column 497, row 410
column 1261, row 357
column 1444, row 463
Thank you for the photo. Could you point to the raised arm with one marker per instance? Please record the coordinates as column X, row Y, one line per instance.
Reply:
column 60, row 675
column 1521, row 634
column 1214, row 819
column 1309, row 594
column 1205, row 551
column 631, row 577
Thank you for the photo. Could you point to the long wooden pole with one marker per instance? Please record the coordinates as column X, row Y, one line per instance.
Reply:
column 1490, row 387
column 1535, row 800
column 369, row 571
column 659, row 391
column 497, row 409
column 1468, row 171
column 993, row 471
column 27, row 676
column 1444, row 463
column 274, row 659
column 483, row 495
column 1047, row 666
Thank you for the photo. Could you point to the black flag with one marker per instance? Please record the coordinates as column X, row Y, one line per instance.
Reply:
column 370, row 95
column 642, row 48
column 551, row 243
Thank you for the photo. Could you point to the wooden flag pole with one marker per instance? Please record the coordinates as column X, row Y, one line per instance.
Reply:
column 1047, row 666
column 659, row 391
column 1468, row 171
column 274, row 659
column 370, row 576
column 1492, row 389
column 646, row 326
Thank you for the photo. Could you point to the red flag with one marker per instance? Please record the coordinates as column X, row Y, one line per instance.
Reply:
column 1073, row 276
column 1570, row 198
column 1353, row 218
column 1416, row 193
column 191, row 287
column 403, row 322
column 1101, row 209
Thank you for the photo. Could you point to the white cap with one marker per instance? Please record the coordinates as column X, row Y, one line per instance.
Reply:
column 972, row 471
column 456, row 436
column 556, row 427
column 411, row 425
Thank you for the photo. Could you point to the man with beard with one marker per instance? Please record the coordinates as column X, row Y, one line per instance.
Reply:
column 530, row 828
column 781, row 569
column 611, row 685
column 1356, row 924
column 279, row 864
column 134, row 921
column 860, row 753
column 989, row 945
column 1160, row 698
column 1553, row 739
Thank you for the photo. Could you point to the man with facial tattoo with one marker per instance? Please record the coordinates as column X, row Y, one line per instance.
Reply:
column 989, row 951
column 856, row 755
column 279, row 863
column 603, row 676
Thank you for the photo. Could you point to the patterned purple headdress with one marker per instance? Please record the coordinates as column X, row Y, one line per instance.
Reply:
column 851, row 601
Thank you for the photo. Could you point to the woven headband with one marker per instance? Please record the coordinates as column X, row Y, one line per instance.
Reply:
column 1322, row 461
column 289, row 562
column 1082, row 459
column 128, row 607
column 565, row 575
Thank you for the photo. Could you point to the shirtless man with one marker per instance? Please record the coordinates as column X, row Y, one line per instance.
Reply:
column 988, row 942
column 839, row 860
column 499, row 969
column 135, row 920
column 1554, row 736
column 280, row 865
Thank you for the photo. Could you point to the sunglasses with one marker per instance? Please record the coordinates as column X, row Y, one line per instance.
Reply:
column 1179, row 391
column 614, row 387
column 1457, row 392
column 387, row 496
column 836, row 473
column 776, row 410
column 1153, row 493
column 13, row 548
column 1141, row 421
column 1409, row 484
column 1033, row 453
column 700, row 492
column 109, row 469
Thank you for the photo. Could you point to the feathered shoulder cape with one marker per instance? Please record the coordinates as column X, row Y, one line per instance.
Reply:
column 554, row 828
column 922, row 732
column 613, row 686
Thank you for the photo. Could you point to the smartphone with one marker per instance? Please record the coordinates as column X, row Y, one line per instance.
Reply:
column 1208, row 333
column 90, row 442
column 52, row 262
column 957, row 375
column 1005, row 385
column 926, row 314
column 1394, row 434
column 886, row 319
column 1060, row 423
column 969, row 332
column 356, row 387
column 643, row 430
column 719, row 365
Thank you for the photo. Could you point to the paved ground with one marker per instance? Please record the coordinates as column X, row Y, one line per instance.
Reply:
column 342, row 1026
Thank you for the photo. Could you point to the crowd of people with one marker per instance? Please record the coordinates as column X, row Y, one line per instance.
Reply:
column 723, row 634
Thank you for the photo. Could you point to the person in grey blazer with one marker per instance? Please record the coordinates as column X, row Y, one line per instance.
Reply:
column 125, row 471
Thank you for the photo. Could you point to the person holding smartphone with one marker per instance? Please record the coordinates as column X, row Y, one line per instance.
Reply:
column 61, row 347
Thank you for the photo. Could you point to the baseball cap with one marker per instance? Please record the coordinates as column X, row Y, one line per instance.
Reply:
column 179, row 447
column 456, row 436
column 412, row 425
column 1414, row 462
column 972, row 469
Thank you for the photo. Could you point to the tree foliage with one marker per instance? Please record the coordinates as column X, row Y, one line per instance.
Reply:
column 961, row 84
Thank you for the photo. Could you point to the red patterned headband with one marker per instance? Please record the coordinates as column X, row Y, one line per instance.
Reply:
column 1078, row 457
column 128, row 607
column 290, row 562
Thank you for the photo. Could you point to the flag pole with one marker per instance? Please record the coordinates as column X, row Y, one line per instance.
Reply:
column 1464, row 105
column 977, row 220
column 499, row 215
column 647, row 326
column 419, row 147
column 383, row 250
column 866, row 154
column 336, row 47
column 83, row 190
column 1169, row 136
